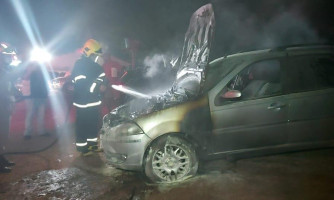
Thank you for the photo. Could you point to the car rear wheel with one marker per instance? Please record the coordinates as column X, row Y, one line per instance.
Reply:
column 170, row 159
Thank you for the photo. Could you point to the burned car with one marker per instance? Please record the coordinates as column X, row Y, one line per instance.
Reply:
column 265, row 101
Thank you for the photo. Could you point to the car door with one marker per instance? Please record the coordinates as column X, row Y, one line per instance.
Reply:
column 310, row 84
column 258, row 118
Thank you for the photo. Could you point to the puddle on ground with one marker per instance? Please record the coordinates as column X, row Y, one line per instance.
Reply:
column 74, row 183
column 69, row 183
column 216, row 179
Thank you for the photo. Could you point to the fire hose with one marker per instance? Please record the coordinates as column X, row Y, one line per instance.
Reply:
column 66, row 121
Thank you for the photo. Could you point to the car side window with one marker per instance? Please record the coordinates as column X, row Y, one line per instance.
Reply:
column 258, row 80
column 309, row 73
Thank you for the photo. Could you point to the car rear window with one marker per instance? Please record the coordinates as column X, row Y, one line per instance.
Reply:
column 306, row 73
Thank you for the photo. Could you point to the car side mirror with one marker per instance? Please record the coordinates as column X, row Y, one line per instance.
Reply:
column 232, row 94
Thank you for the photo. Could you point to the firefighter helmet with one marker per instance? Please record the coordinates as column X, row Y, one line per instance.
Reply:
column 91, row 47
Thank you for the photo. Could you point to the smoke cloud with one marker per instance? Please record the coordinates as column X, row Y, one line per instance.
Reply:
column 154, row 64
column 287, row 29
column 159, row 73
column 241, row 27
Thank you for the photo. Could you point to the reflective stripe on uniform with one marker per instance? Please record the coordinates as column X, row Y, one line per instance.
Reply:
column 91, row 90
column 99, row 79
column 87, row 105
column 79, row 77
column 81, row 144
column 92, row 140
column 4, row 45
column 101, row 75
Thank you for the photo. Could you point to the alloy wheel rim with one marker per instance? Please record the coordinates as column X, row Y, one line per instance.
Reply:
column 171, row 163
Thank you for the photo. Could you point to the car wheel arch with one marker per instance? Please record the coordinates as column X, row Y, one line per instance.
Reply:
column 182, row 135
column 151, row 147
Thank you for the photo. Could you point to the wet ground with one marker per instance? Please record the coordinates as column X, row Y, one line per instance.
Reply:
column 60, row 173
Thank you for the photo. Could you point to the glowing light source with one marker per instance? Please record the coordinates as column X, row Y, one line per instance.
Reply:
column 40, row 55
column 60, row 107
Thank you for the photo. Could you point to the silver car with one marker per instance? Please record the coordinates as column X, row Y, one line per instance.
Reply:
column 266, row 101
column 259, row 102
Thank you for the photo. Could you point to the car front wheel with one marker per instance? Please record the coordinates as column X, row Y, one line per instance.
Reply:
column 170, row 159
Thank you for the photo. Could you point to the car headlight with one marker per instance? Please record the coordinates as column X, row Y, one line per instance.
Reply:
column 128, row 129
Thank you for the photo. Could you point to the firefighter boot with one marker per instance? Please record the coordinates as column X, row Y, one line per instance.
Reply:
column 95, row 148
column 85, row 154
column 5, row 162
column 4, row 169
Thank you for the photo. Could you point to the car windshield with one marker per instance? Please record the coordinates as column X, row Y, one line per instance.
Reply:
column 217, row 71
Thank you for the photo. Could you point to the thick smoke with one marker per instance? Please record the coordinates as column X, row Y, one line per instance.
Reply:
column 240, row 27
column 159, row 72
column 154, row 64
column 287, row 29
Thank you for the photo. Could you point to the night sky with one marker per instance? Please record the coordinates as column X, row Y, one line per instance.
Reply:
column 160, row 25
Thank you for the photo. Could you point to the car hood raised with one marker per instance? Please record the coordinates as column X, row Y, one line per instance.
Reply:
column 191, row 72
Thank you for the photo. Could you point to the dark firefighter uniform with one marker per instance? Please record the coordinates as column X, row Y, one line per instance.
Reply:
column 87, row 77
column 8, row 60
column 6, row 105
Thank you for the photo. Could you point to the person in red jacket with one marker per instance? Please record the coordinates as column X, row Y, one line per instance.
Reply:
column 88, row 78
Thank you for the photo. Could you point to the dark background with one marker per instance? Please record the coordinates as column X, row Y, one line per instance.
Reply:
column 160, row 25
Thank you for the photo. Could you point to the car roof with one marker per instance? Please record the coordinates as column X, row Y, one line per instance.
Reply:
column 290, row 50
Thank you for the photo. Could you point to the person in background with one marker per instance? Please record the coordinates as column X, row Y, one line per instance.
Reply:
column 88, row 78
column 8, row 60
column 36, row 104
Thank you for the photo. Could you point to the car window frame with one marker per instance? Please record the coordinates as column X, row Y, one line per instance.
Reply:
column 288, row 70
column 282, row 61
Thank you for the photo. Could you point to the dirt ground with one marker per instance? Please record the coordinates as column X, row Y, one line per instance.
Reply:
column 60, row 173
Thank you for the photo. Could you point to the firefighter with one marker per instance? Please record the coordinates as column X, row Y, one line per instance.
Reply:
column 88, row 78
column 8, row 60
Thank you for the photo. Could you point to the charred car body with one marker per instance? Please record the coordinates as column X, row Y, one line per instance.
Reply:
column 272, row 100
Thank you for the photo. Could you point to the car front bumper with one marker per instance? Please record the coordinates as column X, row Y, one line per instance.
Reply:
column 124, row 152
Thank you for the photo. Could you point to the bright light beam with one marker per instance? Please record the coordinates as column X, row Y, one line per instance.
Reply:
column 57, row 102
column 27, row 20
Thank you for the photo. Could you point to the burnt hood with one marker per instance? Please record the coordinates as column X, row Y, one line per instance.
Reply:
column 196, row 50
column 191, row 68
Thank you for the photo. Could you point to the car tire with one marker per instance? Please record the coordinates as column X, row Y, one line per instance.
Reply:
column 170, row 159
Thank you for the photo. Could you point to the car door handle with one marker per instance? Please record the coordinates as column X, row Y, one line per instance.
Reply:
column 276, row 106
